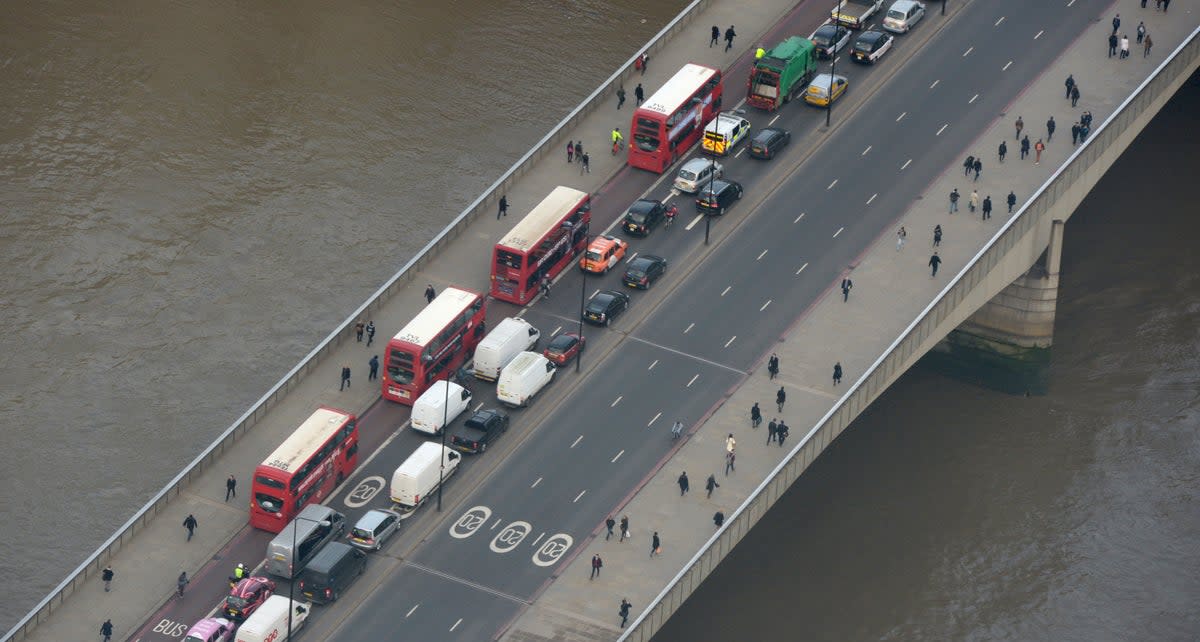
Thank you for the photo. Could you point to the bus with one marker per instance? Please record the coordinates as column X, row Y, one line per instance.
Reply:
column 304, row 469
column 543, row 244
column 433, row 345
column 671, row 120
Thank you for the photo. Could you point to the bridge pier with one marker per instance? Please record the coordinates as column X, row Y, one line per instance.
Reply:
column 1006, row 344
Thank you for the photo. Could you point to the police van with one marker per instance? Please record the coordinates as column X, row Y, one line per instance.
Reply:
column 724, row 133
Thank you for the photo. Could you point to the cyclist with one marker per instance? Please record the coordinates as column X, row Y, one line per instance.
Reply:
column 670, row 214
column 617, row 138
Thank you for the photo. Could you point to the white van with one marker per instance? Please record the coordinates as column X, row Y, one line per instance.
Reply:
column 420, row 474
column 269, row 623
column 521, row 379
column 429, row 413
column 509, row 338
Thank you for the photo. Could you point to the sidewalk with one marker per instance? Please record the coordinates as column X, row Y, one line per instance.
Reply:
column 147, row 565
column 574, row 607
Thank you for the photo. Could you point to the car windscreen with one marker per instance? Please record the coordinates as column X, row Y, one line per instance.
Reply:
column 895, row 15
column 236, row 601
column 592, row 255
column 362, row 533
column 687, row 175
column 560, row 344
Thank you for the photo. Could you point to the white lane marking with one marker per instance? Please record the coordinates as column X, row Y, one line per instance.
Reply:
column 654, row 420
column 764, row 253
column 521, row 313
column 935, row 83
column 614, row 459
column 689, row 328
column 835, row 60
column 1006, row 66
column 577, row 440
column 832, row 184
column 801, row 268
column 581, row 493
column 864, row 152
column 413, row 609
column 686, row 354
column 835, row 234
column 694, row 378
column 539, row 480
column 973, row 99
column 999, row 21
column 595, row 293
column 798, row 218
column 539, row 538
column 631, row 257
column 739, row 152
column 456, row 624
column 904, row 113
column 968, row 51
column 653, row 364
column 1071, row 3
column 764, row 306
column 478, row 407
column 556, row 331
column 872, row 198
column 730, row 341
column 1039, row 34
column 774, row 119
column 617, row 401
column 905, row 165
column 726, row 290
column 694, row 221
column 939, row 133
column 500, row 519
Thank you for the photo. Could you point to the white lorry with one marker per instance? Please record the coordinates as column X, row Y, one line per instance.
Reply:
column 430, row 413
column 521, row 379
column 509, row 338
column 854, row 13
column 269, row 623
column 421, row 473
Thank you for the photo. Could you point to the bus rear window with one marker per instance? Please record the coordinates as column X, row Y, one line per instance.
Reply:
column 270, row 483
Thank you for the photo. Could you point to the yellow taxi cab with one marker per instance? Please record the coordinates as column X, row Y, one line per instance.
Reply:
column 724, row 133
column 604, row 253
column 819, row 90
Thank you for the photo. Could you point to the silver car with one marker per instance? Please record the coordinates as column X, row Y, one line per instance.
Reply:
column 374, row 528
column 696, row 173
column 903, row 15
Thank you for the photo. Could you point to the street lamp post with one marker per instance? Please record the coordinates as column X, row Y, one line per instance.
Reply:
column 582, row 303
column 292, row 584
column 442, row 453
column 832, row 74
column 944, row 6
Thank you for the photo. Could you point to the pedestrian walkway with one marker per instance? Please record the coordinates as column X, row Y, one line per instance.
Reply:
column 574, row 607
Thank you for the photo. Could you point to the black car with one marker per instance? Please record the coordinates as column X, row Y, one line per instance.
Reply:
column 642, row 216
column 767, row 142
column 871, row 46
column 717, row 196
column 644, row 270
column 481, row 429
column 605, row 306
column 829, row 39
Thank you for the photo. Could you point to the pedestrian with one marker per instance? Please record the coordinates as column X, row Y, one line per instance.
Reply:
column 837, row 373
column 1012, row 200
column 755, row 415
column 359, row 329
column 847, row 284
column 987, row 207
column 718, row 518
column 1075, row 89
column 1074, row 133
column 1038, row 148
column 370, row 333
column 1003, row 149
column 624, row 528
column 1116, row 23
column 771, row 428
column 1085, row 119
column 968, row 165
column 106, row 630
column 934, row 262
column 181, row 583
column 345, row 378
column 190, row 524
column 730, row 34
column 545, row 287
column 1141, row 28
column 1050, row 127
column 230, row 487
column 773, row 365
column 1083, row 133
column 1143, row 4
column 1146, row 44
column 730, row 444
column 978, row 168
column 973, row 203
column 730, row 457
column 641, row 63
column 901, row 235
column 503, row 211
column 1024, row 147
column 1020, row 124
column 954, row 200
column 639, row 94
column 780, row 397
column 1113, row 42
column 655, row 545
column 1070, row 83
column 373, row 368
column 620, row 96
column 107, row 577
column 937, row 235
column 624, row 612
column 430, row 293
column 711, row 485
column 585, row 164
column 1124, row 46
column 683, row 484
column 609, row 524
column 596, row 564
column 716, row 36
column 570, row 150
column 1166, row 4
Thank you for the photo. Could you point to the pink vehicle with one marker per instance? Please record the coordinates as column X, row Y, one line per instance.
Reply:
column 210, row 629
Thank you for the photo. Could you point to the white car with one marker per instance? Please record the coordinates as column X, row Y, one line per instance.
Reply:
column 696, row 173
column 903, row 15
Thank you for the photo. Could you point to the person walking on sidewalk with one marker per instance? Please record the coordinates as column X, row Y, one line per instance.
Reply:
column 655, row 545
column 585, row 164
column 1050, row 127
column 624, row 528
column 620, row 96
column 1012, row 200
column 711, row 485
column 1124, row 46
column 230, row 487
column 373, row 368
column 1070, row 83
column 578, row 148
column 624, row 611
column 771, row 429
column 1003, row 150
column 1074, row 134
column 1116, row 23
column 901, row 235
column 837, row 373
column 639, row 94
column 954, row 200
column 345, row 378
column 596, row 564
column 730, row 34
column 1113, row 43
column 987, row 207
column 782, row 433
column 1024, row 147
column 181, row 583
column 968, row 165
column 730, row 458
column 190, row 524
column 937, row 235
column 609, row 524
column 370, row 333
column 1141, row 28
column 978, row 168
column 847, row 284
column 718, row 518
column 780, row 397
column 1038, row 148
column 503, row 211
column 430, row 293
column 570, row 150
column 1146, row 44
column 1075, row 94
column 755, row 415
column 359, row 329
column 973, row 203
column 107, row 577
column 106, row 630
column 934, row 262
column 1020, row 124
column 716, row 36
column 730, row 444
column 683, row 484
column 773, row 366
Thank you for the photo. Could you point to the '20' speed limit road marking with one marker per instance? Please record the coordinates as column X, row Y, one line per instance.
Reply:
column 511, row 536
column 365, row 491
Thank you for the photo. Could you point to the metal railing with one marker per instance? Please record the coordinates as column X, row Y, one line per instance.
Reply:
column 891, row 364
column 486, row 201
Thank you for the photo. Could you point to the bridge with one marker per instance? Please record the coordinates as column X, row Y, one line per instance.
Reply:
column 827, row 210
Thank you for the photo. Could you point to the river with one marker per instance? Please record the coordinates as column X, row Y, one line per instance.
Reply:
column 949, row 512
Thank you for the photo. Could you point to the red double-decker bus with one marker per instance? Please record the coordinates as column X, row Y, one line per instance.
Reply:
column 304, row 469
column 671, row 120
column 435, row 343
column 544, row 243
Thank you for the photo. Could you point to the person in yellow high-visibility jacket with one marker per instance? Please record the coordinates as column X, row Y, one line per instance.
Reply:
column 760, row 52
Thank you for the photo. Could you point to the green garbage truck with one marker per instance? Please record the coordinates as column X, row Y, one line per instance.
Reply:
column 782, row 73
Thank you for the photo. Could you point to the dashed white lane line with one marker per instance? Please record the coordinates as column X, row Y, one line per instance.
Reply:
column 556, row 331
column 968, row 51
column 939, row 133
column 651, row 422
column 739, row 153
column 730, row 341
column 973, row 99
column 905, row 165
column 653, row 364
column 774, row 119
column 614, row 459
column 904, row 113
column 764, row 306
column 872, row 198
column 521, row 313
column 726, row 290
column 694, row 378
column 1071, row 3
column 935, row 83
column 539, row 480
column 539, row 538
column 412, row 610
column 999, row 21
column 764, row 253
column 1006, row 66
column 577, row 497
column 864, row 152
column 1039, row 34
column 832, row 184
column 595, row 293
column 798, row 218
column 577, row 440
column 801, row 268
column 835, row 234
column 694, row 221
column 631, row 257
column 689, row 328
column 616, row 401
column 456, row 624
column 478, row 407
